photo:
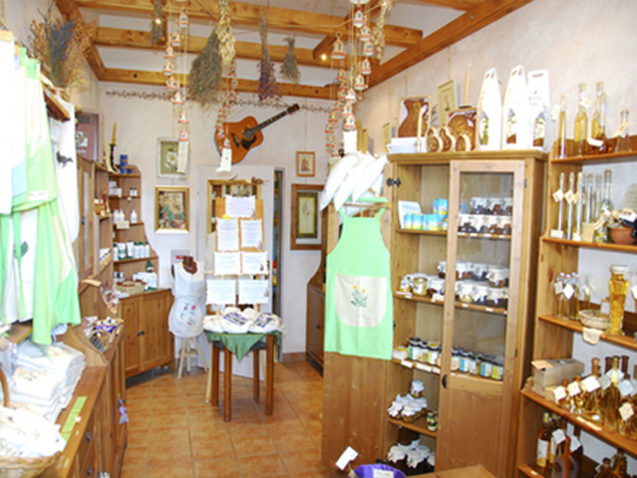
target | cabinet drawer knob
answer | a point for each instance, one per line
(392, 181)
(89, 471)
(141, 332)
(88, 436)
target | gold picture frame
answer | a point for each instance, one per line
(305, 163)
(447, 100)
(172, 209)
(305, 230)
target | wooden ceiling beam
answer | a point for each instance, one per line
(455, 4)
(249, 86)
(454, 31)
(118, 37)
(251, 14)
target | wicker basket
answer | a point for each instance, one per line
(131, 287)
(17, 467)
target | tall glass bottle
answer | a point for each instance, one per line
(611, 398)
(562, 452)
(543, 444)
(581, 123)
(598, 142)
(618, 289)
(591, 399)
(623, 140)
(607, 203)
(561, 132)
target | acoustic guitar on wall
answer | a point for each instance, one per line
(246, 134)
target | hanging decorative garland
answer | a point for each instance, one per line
(289, 68)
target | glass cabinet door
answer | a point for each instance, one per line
(480, 311)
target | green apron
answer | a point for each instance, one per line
(358, 299)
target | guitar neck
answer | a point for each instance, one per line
(250, 131)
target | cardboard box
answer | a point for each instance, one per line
(550, 373)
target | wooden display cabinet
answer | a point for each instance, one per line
(477, 415)
(554, 336)
(85, 242)
(316, 304)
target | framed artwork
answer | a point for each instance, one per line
(167, 154)
(408, 111)
(305, 163)
(172, 209)
(447, 100)
(305, 228)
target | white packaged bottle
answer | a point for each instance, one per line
(516, 115)
(489, 114)
(538, 85)
(133, 216)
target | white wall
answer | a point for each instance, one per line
(141, 121)
(577, 41)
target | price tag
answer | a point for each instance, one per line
(575, 443)
(559, 393)
(122, 225)
(626, 411)
(559, 436)
(595, 142)
(590, 384)
(604, 382)
(585, 103)
(422, 366)
(348, 455)
(570, 197)
(383, 474)
(407, 363)
(558, 195)
(625, 388)
(568, 291)
(573, 388)
(438, 298)
(555, 112)
(559, 287)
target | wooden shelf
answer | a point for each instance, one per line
(139, 259)
(103, 217)
(105, 263)
(597, 158)
(118, 198)
(419, 426)
(101, 167)
(132, 175)
(623, 340)
(19, 331)
(592, 245)
(424, 159)
(459, 305)
(529, 471)
(609, 436)
(413, 364)
(477, 235)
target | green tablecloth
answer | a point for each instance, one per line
(240, 344)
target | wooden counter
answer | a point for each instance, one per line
(477, 471)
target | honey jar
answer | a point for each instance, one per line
(464, 270)
(419, 285)
(497, 297)
(442, 269)
(465, 291)
(498, 276)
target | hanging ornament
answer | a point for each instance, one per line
(183, 20)
(268, 87)
(341, 77)
(359, 83)
(351, 96)
(175, 39)
(338, 49)
(183, 135)
(349, 123)
(342, 92)
(172, 84)
(329, 128)
(178, 98)
(225, 35)
(168, 68)
(333, 118)
(289, 68)
(368, 49)
(365, 34)
(157, 24)
(359, 2)
(170, 53)
(366, 66)
(183, 118)
(358, 20)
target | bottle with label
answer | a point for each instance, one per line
(623, 143)
(591, 396)
(565, 402)
(581, 123)
(577, 396)
(598, 143)
(604, 469)
(562, 450)
(560, 283)
(618, 290)
(561, 132)
(133, 216)
(619, 464)
(543, 444)
(611, 398)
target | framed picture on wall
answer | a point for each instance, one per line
(167, 156)
(305, 163)
(305, 228)
(447, 100)
(172, 209)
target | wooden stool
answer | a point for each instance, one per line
(213, 376)
(188, 352)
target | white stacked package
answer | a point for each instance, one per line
(28, 435)
(236, 321)
(45, 378)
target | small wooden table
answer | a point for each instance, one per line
(475, 471)
(212, 389)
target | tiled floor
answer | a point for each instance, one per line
(173, 433)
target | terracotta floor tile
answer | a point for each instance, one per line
(252, 445)
(138, 404)
(297, 462)
(242, 428)
(261, 465)
(168, 403)
(133, 472)
(293, 441)
(202, 432)
(176, 470)
(170, 452)
(210, 448)
(166, 435)
(135, 456)
(221, 468)
(138, 420)
(168, 418)
(138, 437)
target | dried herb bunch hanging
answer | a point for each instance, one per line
(157, 24)
(225, 35)
(204, 79)
(378, 33)
(289, 68)
(60, 47)
(268, 87)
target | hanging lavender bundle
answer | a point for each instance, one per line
(157, 24)
(204, 79)
(268, 87)
(289, 68)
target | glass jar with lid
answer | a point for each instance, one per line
(504, 225)
(480, 294)
(442, 269)
(618, 290)
(496, 205)
(464, 270)
(436, 288)
(497, 297)
(498, 276)
(416, 388)
(491, 224)
(479, 270)
(465, 291)
(419, 285)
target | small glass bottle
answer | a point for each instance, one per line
(561, 136)
(611, 398)
(619, 464)
(623, 143)
(604, 469)
(543, 445)
(566, 401)
(598, 142)
(618, 290)
(607, 203)
(590, 409)
(578, 399)
(560, 283)
(581, 123)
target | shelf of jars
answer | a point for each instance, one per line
(608, 246)
(477, 235)
(440, 301)
(417, 365)
(136, 259)
(420, 426)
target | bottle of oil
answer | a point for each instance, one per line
(619, 464)
(590, 408)
(611, 399)
(543, 444)
(598, 143)
(618, 289)
(562, 451)
(581, 123)
(604, 470)
(623, 143)
(561, 135)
